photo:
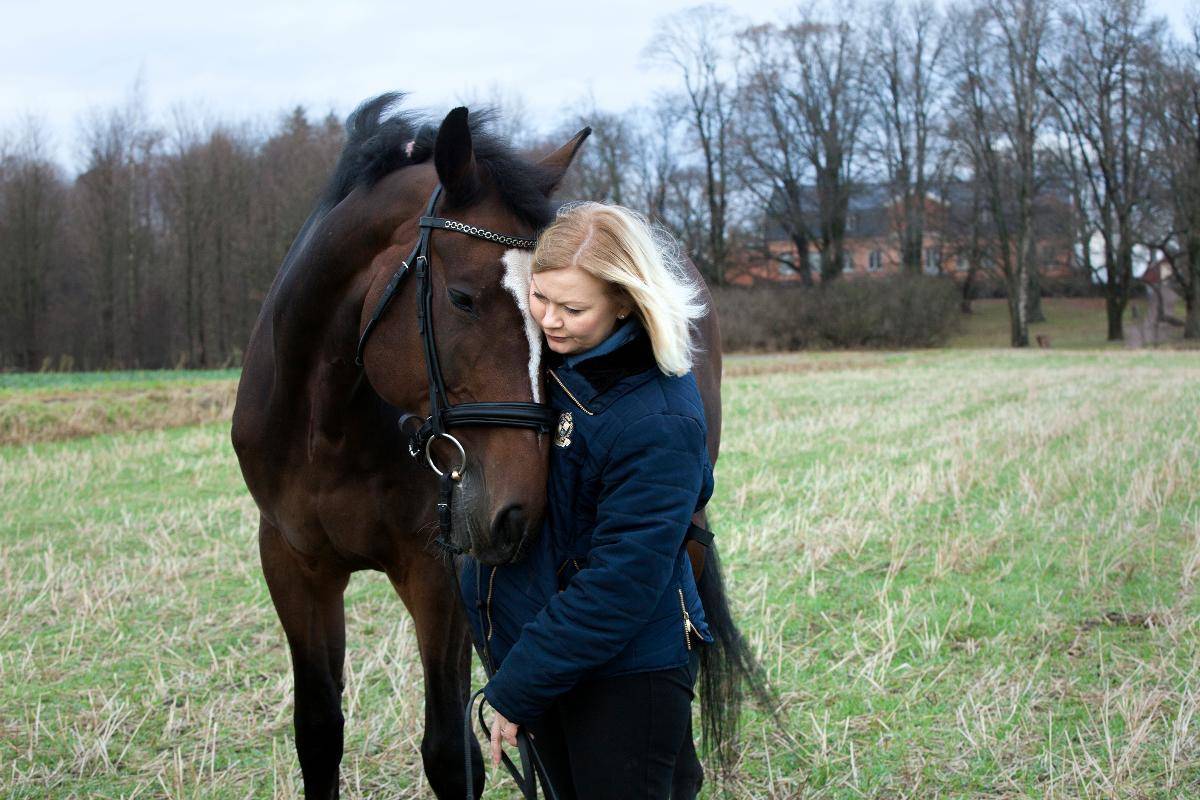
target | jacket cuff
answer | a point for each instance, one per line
(494, 693)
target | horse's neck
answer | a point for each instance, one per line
(315, 306)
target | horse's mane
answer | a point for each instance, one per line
(377, 145)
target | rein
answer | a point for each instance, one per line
(442, 416)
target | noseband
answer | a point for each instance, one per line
(442, 414)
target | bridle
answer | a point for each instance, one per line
(442, 414)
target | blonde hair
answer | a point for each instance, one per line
(638, 261)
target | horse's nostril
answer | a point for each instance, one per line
(509, 526)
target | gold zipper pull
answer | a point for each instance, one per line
(687, 622)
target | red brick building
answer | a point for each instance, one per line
(872, 243)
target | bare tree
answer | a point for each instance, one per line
(830, 98)
(115, 202)
(1100, 84)
(803, 100)
(602, 171)
(32, 210)
(997, 48)
(907, 92)
(1175, 113)
(773, 165)
(695, 42)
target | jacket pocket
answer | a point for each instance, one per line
(688, 627)
(568, 569)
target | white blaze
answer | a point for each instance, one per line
(518, 266)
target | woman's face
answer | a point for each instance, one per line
(575, 310)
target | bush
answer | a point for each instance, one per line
(888, 312)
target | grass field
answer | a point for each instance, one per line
(1072, 323)
(967, 573)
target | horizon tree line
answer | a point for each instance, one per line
(159, 250)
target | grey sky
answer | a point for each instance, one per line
(251, 60)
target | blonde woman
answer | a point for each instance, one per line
(594, 635)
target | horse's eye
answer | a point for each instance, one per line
(462, 300)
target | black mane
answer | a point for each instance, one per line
(376, 144)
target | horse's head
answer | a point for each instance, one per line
(487, 347)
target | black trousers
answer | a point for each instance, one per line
(617, 737)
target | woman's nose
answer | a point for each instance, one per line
(548, 318)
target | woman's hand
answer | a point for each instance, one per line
(502, 729)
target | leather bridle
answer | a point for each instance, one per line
(442, 414)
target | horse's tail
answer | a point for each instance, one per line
(728, 670)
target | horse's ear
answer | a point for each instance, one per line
(454, 157)
(555, 165)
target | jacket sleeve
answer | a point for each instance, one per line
(649, 486)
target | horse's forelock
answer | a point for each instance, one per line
(517, 269)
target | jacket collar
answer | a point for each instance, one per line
(627, 366)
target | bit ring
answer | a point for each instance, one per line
(456, 474)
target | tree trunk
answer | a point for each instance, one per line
(1034, 312)
(1191, 290)
(801, 244)
(1191, 324)
(1018, 307)
(1116, 314)
(912, 239)
(1191, 300)
(967, 287)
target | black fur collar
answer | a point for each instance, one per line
(603, 372)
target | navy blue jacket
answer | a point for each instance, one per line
(607, 588)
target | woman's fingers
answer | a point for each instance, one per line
(502, 730)
(496, 726)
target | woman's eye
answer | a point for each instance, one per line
(573, 311)
(462, 300)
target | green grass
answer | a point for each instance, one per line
(1072, 323)
(967, 573)
(13, 383)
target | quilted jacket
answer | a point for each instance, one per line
(607, 588)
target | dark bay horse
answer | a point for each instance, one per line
(322, 453)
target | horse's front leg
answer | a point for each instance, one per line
(310, 606)
(429, 593)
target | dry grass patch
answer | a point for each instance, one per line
(55, 415)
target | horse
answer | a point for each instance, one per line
(319, 438)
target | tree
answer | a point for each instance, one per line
(828, 94)
(773, 165)
(695, 43)
(1001, 110)
(1100, 84)
(802, 103)
(1175, 116)
(115, 203)
(32, 211)
(602, 170)
(908, 99)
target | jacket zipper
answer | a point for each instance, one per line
(687, 621)
(491, 584)
(582, 407)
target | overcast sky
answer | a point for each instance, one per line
(250, 60)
